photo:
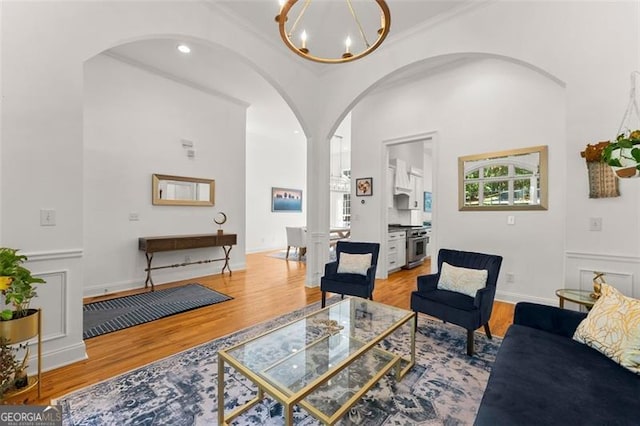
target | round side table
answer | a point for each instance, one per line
(581, 297)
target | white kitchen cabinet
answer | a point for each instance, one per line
(415, 200)
(396, 250)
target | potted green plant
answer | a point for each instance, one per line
(8, 366)
(16, 285)
(623, 155)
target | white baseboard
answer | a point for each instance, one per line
(60, 357)
(508, 297)
(99, 290)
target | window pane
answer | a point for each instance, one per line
(471, 193)
(520, 171)
(522, 191)
(496, 192)
(494, 171)
(473, 175)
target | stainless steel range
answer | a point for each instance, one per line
(417, 240)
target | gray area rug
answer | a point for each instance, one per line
(443, 388)
(116, 314)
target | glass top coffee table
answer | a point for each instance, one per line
(324, 362)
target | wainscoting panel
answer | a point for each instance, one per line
(622, 272)
(60, 299)
(52, 298)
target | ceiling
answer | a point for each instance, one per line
(216, 70)
(333, 20)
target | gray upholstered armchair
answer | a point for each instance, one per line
(454, 307)
(353, 284)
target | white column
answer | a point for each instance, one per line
(318, 207)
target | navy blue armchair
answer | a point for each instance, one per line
(457, 308)
(346, 283)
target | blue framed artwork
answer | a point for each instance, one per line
(286, 200)
(427, 201)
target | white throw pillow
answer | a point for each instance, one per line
(612, 327)
(354, 263)
(462, 280)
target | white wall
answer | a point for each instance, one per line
(590, 46)
(273, 163)
(134, 122)
(487, 105)
(340, 160)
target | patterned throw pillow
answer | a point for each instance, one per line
(462, 280)
(613, 328)
(354, 263)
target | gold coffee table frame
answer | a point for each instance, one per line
(375, 314)
(580, 297)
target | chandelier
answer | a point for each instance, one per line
(333, 31)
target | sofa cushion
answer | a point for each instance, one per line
(543, 378)
(462, 280)
(613, 328)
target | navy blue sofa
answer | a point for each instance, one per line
(543, 377)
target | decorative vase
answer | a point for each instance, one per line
(21, 380)
(597, 285)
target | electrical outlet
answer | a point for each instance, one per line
(187, 259)
(133, 216)
(511, 277)
(595, 224)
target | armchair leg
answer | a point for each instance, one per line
(487, 331)
(415, 321)
(287, 256)
(470, 342)
(324, 298)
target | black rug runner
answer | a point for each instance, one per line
(117, 314)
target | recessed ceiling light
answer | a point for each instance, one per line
(295, 132)
(183, 48)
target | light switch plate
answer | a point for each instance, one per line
(595, 224)
(47, 217)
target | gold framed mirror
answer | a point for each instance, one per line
(506, 180)
(170, 190)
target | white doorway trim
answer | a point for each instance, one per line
(431, 137)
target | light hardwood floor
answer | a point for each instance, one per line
(268, 288)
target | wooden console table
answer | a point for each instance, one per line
(151, 245)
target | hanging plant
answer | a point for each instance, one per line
(623, 155)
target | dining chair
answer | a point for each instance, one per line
(297, 237)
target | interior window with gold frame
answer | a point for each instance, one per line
(506, 180)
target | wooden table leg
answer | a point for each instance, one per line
(561, 302)
(227, 250)
(149, 279)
